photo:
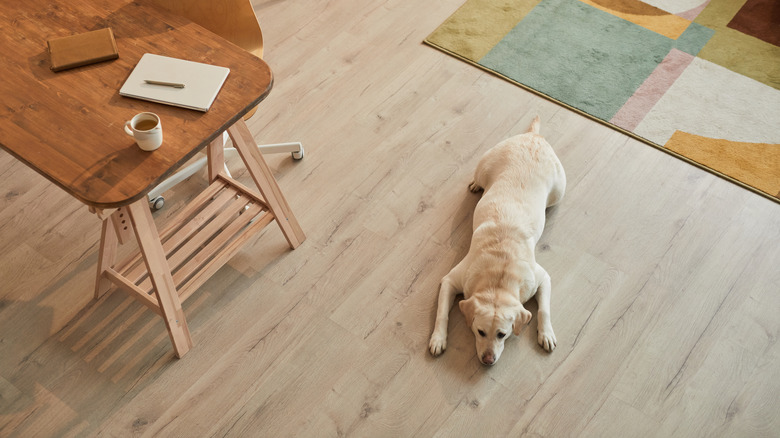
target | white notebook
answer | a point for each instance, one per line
(201, 82)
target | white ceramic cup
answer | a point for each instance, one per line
(146, 129)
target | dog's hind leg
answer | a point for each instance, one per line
(558, 186)
(447, 293)
(545, 336)
(482, 172)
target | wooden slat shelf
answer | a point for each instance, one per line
(202, 238)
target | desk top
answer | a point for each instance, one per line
(68, 126)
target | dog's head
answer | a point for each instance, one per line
(492, 323)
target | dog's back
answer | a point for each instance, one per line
(521, 176)
(526, 164)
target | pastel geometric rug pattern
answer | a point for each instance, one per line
(698, 78)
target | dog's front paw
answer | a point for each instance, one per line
(438, 344)
(546, 338)
(474, 187)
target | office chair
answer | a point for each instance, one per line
(234, 20)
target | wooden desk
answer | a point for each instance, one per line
(68, 127)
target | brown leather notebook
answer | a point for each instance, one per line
(82, 49)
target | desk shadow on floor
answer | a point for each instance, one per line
(113, 349)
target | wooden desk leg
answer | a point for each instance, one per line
(116, 229)
(261, 174)
(160, 274)
(106, 257)
(122, 225)
(216, 158)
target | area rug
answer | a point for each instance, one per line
(699, 79)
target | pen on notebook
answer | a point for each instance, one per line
(167, 84)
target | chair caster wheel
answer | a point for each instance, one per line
(157, 203)
(298, 155)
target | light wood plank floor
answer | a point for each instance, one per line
(665, 278)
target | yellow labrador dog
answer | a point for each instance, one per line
(520, 177)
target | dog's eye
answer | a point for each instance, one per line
(481, 333)
(501, 335)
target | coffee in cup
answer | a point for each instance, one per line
(146, 129)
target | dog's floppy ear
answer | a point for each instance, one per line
(467, 307)
(522, 317)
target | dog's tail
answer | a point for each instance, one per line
(535, 125)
